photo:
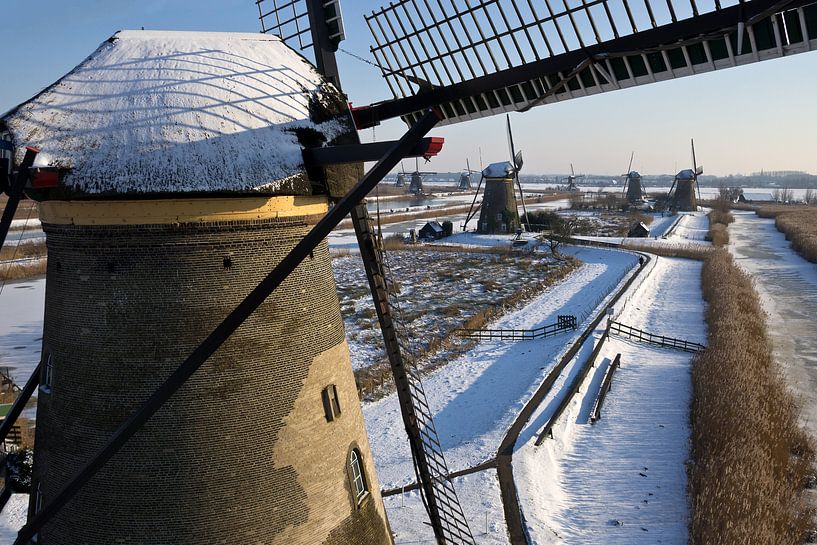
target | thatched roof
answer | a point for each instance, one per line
(157, 112)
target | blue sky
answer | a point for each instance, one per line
(745, 119)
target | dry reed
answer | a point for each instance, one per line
(750, 459)
(688, 251)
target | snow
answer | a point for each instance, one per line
(692, 227)
(480, 498)
(501, 170)
(476, 397)
(622, 480)
(21, 327)
(153, 111)
(13, 518)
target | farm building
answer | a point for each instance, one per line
(639, 230)
(751, 197)
(432, 231)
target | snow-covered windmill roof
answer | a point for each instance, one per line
(687, 174)
(155, 112)
(499, 170)
(633, 174)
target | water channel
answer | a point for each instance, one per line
(787, 285)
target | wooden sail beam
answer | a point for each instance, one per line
(701, 43)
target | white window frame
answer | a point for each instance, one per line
(47, 374)
(356, 473)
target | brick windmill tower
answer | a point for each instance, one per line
(633, 189)
(165, 198)
(682, 194)
(498, 212)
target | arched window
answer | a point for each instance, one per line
(356, 475)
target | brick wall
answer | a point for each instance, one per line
(242, 453)
(498, 213)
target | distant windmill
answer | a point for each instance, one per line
(416, 185)
(682, 194)
(633, 188)
(401, 177)
(571, 180)
(498, 211)
(465, 177)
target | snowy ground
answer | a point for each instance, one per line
(13, 518)
(21, 327)
(693, 226)
(438, 292)
(621, 480)
(476, 397)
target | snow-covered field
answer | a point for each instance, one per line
(21, 327)
(584, 486)
(438, 292)
(621, 480)
(476, 397)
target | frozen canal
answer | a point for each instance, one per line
(787, 285)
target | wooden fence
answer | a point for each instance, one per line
(563, 323)
(639, 335)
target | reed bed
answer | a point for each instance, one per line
(23, 250)
(24, 270)
(688, 251)
(719, 221)
(750, 458)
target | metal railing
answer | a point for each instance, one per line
(617, 328)
(564, 323)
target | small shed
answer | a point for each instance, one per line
(639, 230)
(756, 197)
(432, 231)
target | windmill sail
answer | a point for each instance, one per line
(487, 57)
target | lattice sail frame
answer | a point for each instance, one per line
(476, 58)
(289, 20)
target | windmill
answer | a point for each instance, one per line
(460, 83)
(416, 184)
(682, 193)
(465, 177)
(304, 220)
(571, 180)
(401, 177)
(633, 190)
(498, 210)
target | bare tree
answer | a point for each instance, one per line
(809, 197)
(561, 229)
(786, 195)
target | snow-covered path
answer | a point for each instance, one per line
(691, 227)
(478, 396)
(622, 480)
